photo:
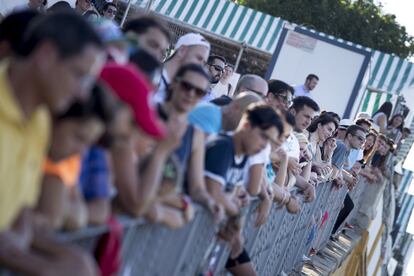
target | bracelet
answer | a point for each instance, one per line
(186, 201)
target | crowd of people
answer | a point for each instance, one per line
(98, 120)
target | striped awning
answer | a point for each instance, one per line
(261, 31)
(388, 73)
(225, 18)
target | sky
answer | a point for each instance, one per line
(403, 10)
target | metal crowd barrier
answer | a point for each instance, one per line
(279, 245)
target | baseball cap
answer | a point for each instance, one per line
(132, 88)
(363, 115)
(108, 31)
(345, 123)
(206, 116)
(192, 39)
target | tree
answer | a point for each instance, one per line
(358, 21)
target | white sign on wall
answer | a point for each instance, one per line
(339, 66)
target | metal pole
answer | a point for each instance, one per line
(239, 56)
(126, 13)
(148, 6)
(360, 102)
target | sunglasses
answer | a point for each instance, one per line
(360, 138)
(111, 11)
(217, 68)
(190, 87)
(266, 137)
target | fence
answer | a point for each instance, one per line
(277, 246)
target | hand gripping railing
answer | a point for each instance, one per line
(279, 245)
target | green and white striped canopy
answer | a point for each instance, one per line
(389, 73)
(238, 23)
(261, 31)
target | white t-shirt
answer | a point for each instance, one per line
(291, 146)
(161, 93)
(220, 90)
(262, 157)
(300, 90)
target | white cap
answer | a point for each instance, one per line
(345, 123)
(191, 39)
(363, 115)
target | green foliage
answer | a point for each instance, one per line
(359, 21)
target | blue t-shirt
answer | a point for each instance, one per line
(207, 117)
(352, 158)
(94, 177)
(340, 155)
(270, 173)
(222, 165)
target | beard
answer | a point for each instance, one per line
(215, 80)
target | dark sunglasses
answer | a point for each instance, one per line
(217, 68)
(360, 138)
(190, 87)
(266, 137)
(111, 11)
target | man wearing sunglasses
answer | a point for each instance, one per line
(82, 6)
(187, 88)
(279, 95)
(358, 154)
(216, 66)
(109, 11)
(354, 139)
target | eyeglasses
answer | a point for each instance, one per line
(111, 11)
(286, 100)
(217, 67)
(190, 87)
(266, 137)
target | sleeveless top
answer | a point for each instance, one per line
(183, 152)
